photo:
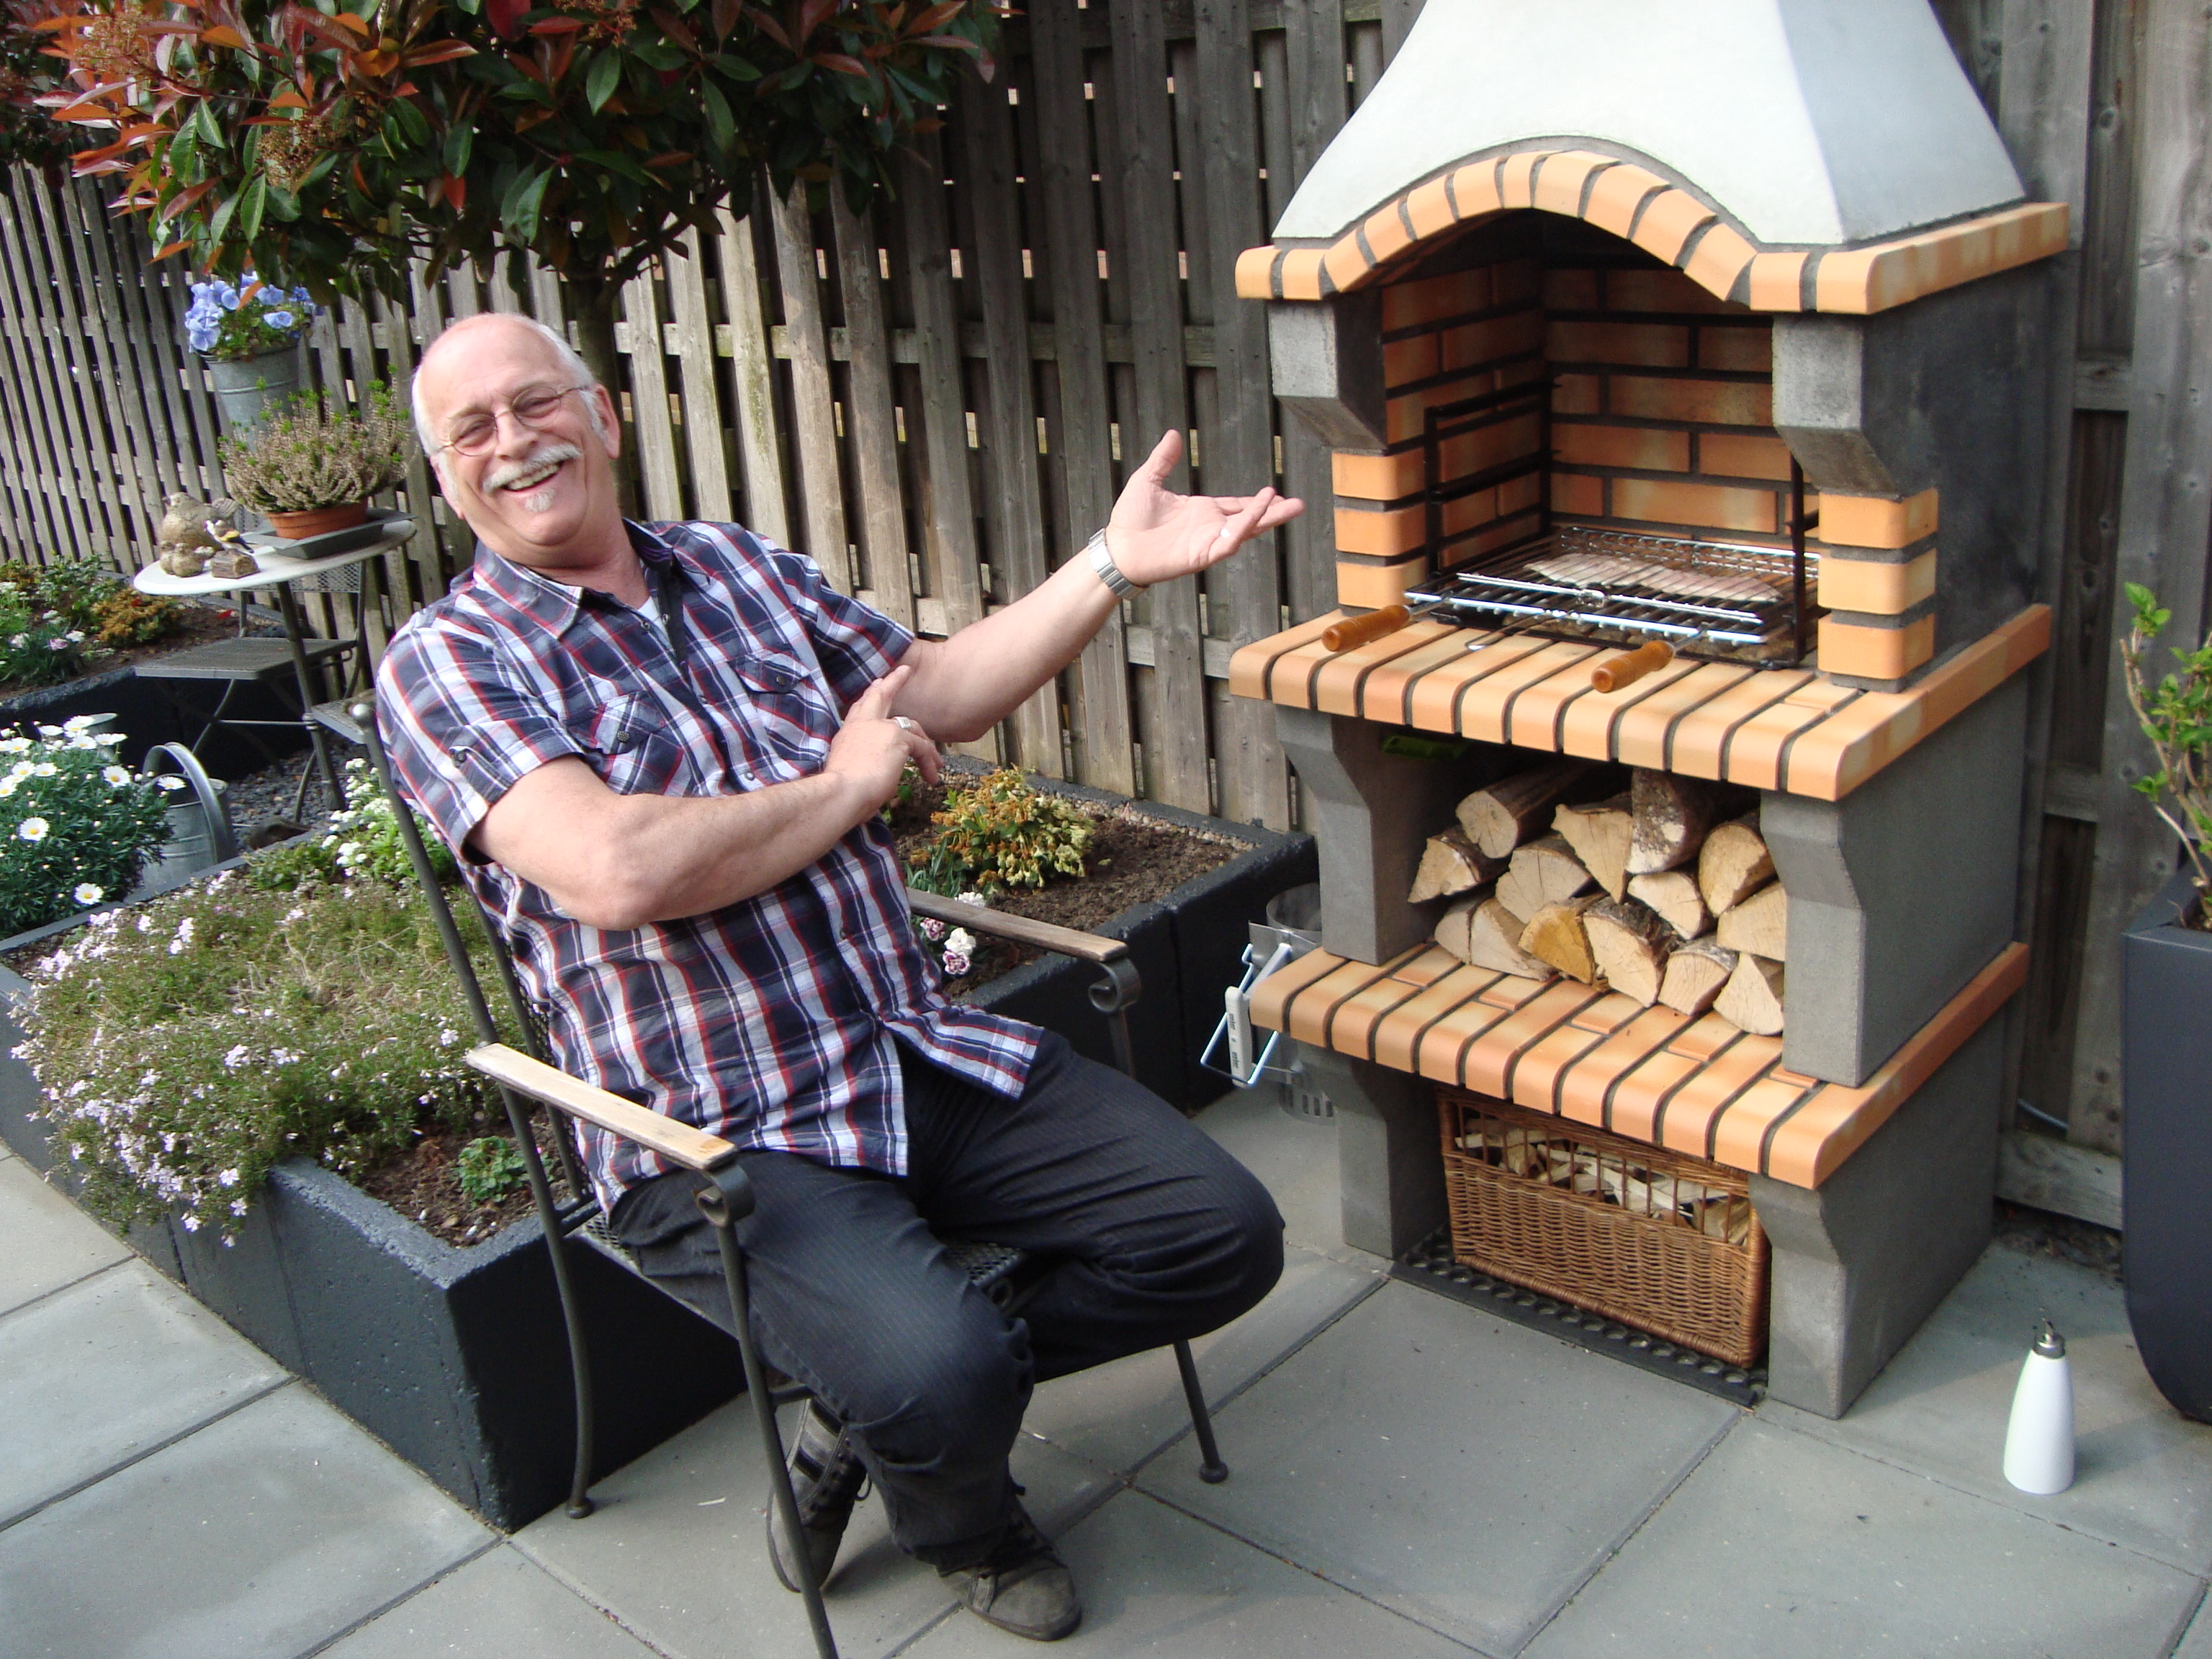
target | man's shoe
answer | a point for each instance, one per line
(1022, 1586)
(826, 1478)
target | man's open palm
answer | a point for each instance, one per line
(1156, 535)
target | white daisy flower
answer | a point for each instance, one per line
(32, 828)
(89, 892)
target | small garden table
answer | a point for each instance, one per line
(241, 661)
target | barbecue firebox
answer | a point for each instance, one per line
(1720, 326)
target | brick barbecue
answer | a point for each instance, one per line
(1720, 327)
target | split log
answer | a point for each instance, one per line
(1483, 933)
(1451, 864)
(1499, 817)
(1630, 945)
(1673, 894)
(1733, 865)
(1556, 934)
(1753, 997)
(1599, 833)
(1673, 814)
(1543, 873)
(1695, 974)
(1759, 925)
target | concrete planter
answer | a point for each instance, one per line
(146, 716)
(2166, 1000)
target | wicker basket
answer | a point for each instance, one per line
(1654, 1239)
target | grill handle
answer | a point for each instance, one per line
(1630, 666)
(1358, 630)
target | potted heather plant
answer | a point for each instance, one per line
(249, 333)
(310, 467)
(2165, 999)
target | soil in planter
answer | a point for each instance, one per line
(1133, 859)
(420, 1183)
(201, 624)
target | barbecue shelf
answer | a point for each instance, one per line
(1694, 1086)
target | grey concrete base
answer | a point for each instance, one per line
(1901, 893)
(1862, 1259)
(1390, 1165)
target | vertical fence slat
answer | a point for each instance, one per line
(1080, 354)
(40, 519)
(426, 579)
(23, 295)
(167, 292)
(1253, 779)
(139, 379)
(821, 495)
(869, 423)
(78, 432)
(704, 436)
(1014, 504)
(1175, 734)
(112, 488)
(752, 378)
(131, 444)
(648, 383)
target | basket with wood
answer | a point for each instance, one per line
(1658, 1240)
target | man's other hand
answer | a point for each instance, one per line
(1156, 535)
(871, 749)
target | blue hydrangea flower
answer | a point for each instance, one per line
(278, 319)
(227, 297)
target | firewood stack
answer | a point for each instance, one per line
(1664, 892)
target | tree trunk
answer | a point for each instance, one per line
(594, 331)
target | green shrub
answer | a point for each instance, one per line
(185, 1046)
(1000, 832)
(2176, 716)
(75, 827)
(489, 1169)
(126, 617)
(363, 841)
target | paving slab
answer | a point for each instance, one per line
(1119, 1415)
(500, 1606)
(2198, 1643)
(679, 1552)
(1154, 1581)
(1295, 1157)
(1782, 1543)
(50, 1243)
(257, 1537)
(1464, 1472)
(106, 1370)
(2142, 1472)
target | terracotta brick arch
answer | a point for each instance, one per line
(1665, 221)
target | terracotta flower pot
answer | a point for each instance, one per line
(298, 527)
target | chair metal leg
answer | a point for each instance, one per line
(713, 1203)
(1211, 1468)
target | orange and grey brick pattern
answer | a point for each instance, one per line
(1671, 223)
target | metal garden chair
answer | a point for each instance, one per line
(724, 1196)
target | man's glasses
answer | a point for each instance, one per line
(535, 406)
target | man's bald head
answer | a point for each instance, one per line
(571, 363)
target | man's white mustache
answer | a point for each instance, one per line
(538, 461)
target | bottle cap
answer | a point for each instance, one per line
(2048, 1342)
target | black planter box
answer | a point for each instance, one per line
(146, 715)
(2165, 1024)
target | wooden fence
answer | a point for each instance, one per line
(939, 403)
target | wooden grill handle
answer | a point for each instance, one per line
(1358, 630)
(1631, 665)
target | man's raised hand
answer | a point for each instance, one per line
(1156, 535)
(872, 747)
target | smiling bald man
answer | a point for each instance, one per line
(659, 753)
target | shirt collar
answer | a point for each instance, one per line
(553, 604)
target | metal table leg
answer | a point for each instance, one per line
(288, 607)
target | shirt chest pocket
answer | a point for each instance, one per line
(631, 743)
(789, 716)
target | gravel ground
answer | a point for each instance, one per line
(261, 803)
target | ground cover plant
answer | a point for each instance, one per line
(2176, 715)
(56, 619)
(75, 827)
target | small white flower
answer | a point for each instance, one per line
(75, 637)
(228, 1178)
(955, 964)
(145, 925)
(960, 942)
(17, 641)
(447, 1037)
(59, 642)
(192, 1223)
(170, 782)
(931, 929)
(294, 914)
(8, 787)
(89, 892)
(117, 775)
(15, 746)
(45, 769)
(236, 1058)
(975, 898)
(32, 828)
(78, 722)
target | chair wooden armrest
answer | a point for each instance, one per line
(1043, 935)
(679, 1143)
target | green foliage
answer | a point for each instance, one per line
(75, 828)
(329, 143)
(362, 844)
(489, 1169)
(27, 134)
(2176, 715)
(126, 617)
(1000, 832)
(185, 1047)
(315, 452)
(38, 648)
(64, 611)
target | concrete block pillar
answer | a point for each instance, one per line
(1389, 1163)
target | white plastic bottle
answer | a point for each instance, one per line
(2039, 1452)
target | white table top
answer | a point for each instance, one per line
(275, 567)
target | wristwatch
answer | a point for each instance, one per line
(1109, 572)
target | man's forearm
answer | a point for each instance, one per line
(963, 686)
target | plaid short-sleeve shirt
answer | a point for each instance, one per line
(773, 1022)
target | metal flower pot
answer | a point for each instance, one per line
(2165, 1001)
(247, 388)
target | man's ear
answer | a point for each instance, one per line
(608, 426)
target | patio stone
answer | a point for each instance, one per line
(262, 1535)
(679, 1552)
(1467, 1473)
(1782, 1543)
(103, 1371)
(2142, 1472)
(1155, 1581)
(1119, 1415)
(500, 1606)
(50, 1243)
(1295, 1157)
(2198, 1643)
